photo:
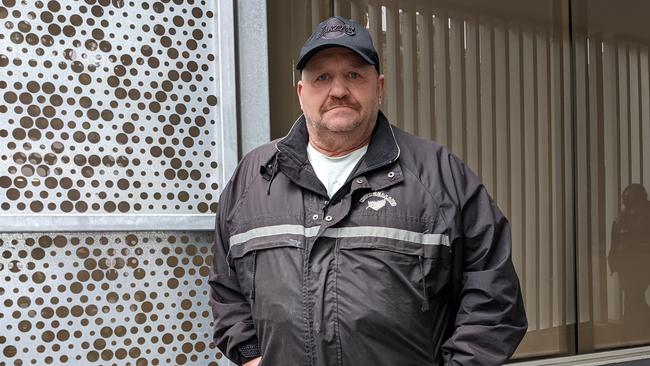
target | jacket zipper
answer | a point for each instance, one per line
(425, 301)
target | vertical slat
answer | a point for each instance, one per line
(591, 136)
(355, 12)
(486, 130)
(456, 70)
(440, 57)
(374, 20)
(610, 148)
(425, 76)
(569, 272)
(516, 162)
(543, 183)
(530, 181)
(582, 210)
(557, 159)
(472, 92)
(502, 188)
(342, 8)
(391, 70)
(645, 116)
(316, 15)
(623, 114)
(635, 128)
(408, 103)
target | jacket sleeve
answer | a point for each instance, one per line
(490, 320)
(234, 331)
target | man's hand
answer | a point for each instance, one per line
(253, 362)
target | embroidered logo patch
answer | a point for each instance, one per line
(335, 28)
(377, 200)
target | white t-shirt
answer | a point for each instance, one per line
(334, 171)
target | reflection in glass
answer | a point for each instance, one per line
(629, 256)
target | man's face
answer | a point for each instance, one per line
(339, 91)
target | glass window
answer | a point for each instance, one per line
(613, 173)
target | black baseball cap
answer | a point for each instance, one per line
(338, 31)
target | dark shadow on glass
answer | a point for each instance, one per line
(630, 258)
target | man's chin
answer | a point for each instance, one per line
(341, 124)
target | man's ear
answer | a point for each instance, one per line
(299, 92)
(380, 87)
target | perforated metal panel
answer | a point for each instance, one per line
(109, 107)
(106, 299)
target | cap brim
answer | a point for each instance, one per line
(331, 43)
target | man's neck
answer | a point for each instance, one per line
(338, 146)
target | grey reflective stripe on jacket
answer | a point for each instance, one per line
(408, 264)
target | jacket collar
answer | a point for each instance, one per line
(382, 150)
(291, 155)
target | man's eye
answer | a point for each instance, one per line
(322, 77)
(354, 75)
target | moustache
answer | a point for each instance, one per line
(338, 103)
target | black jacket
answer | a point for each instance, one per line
(407, 264)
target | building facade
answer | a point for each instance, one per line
(120, 122)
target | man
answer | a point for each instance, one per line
(350, 242)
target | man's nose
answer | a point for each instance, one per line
(339, 88)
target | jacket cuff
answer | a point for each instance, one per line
(248, 352)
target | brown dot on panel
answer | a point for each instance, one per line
(84, 78)
(36, 206)
(13, 194)
(92, 356)
(65, 183)
(105, 46)
(9, 351)
(38, 277)
(19, 134)
(94, 160)
(47, 40)
(60, 241)
(123, 206)
(57, 147)
(122, 161)
(5, 182)
(25, 98)
(25, 326)
(131, 240)
(66, 206)
(87, 171)
(56, 123)
(54, 29)
(93, 137)
(20, 182)
(10, 97)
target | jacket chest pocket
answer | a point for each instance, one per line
(397, 275)
(263, 259)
